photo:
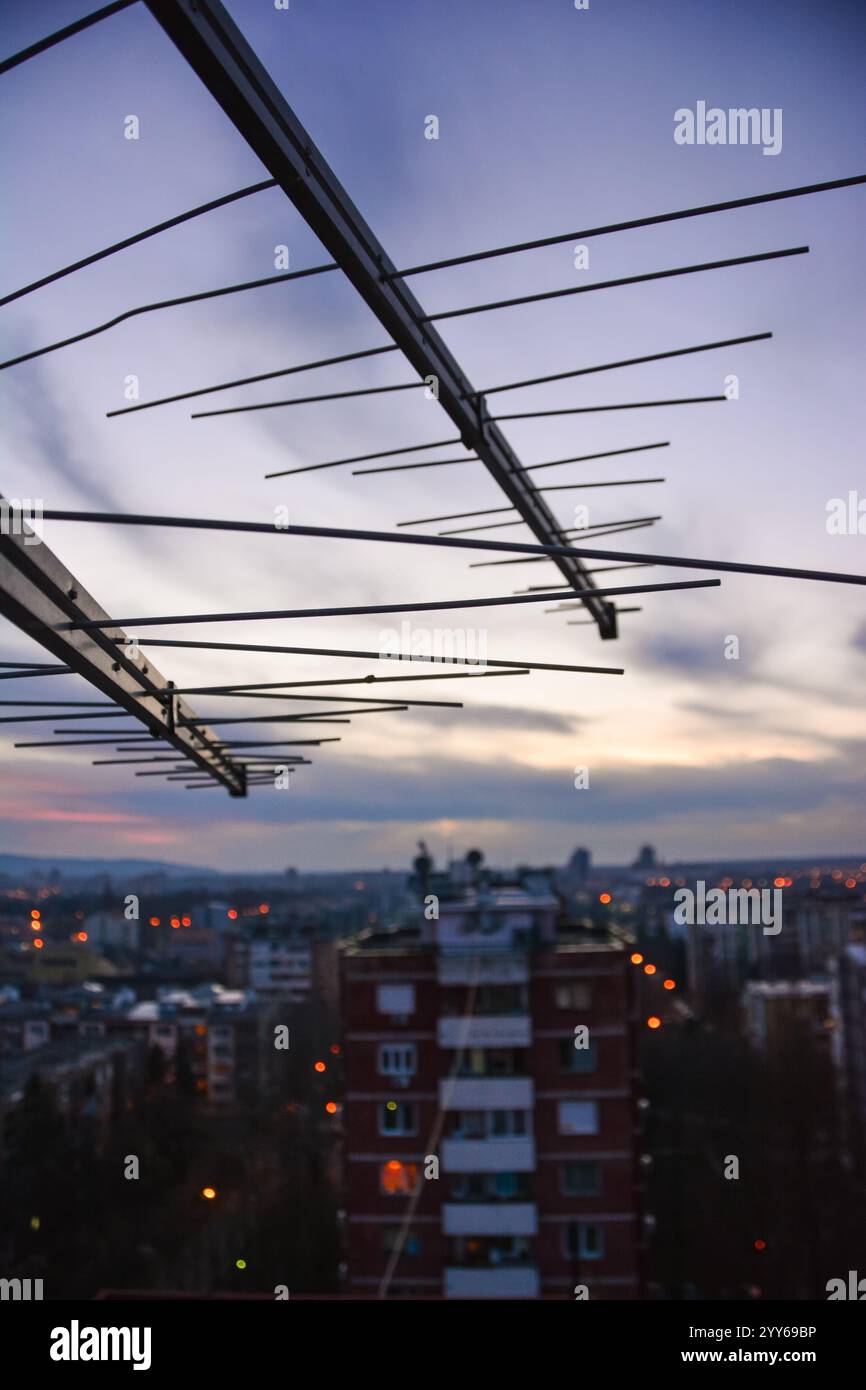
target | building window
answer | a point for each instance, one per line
(487, 1252)
(487, 1124)
(394, 1238)
(490, 1187)
(500, 999)
(573, 996)
(504, 1185)
(397, 1117)
(398, 1060)
(583, 1240)
(578, 1117)
(395, 999)
(469, 1124)
(581, 1178)
(577, 1059)
(469, 1187)
(397, 1178)
(508, 1122)
(492, 1061)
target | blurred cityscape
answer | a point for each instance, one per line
(454, 1081)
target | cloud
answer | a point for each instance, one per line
(687, 655)
(506, 717)
(710, 711)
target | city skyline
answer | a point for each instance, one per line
(690, 751)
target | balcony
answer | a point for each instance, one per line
(514, 1155)
(518, 1281)
(489, 1219)
(487, 1093)
(501, 969)
(506, 1030)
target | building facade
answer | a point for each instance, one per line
(490, 1122)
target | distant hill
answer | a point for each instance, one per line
(37, 866)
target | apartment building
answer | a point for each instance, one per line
(489, 1119)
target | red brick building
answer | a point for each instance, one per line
(491, 1046)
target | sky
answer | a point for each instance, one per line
(549, 119)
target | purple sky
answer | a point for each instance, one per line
(550, 119)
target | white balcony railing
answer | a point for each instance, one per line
(493, 1030)
(514, 1155)
(487, 1093)
(489, 1219)
(518, 1281)
(497, 969)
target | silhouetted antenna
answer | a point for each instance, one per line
(264, 615)
(459, 542)
(551, 463)
(307, 400)
(311, 718)
(557, 487)
(402, 658)
(363, 458)
(138, 237)
(635, 222)
(261, 687)
(539, 588)
(625, 362)
(165, 304)
(579, 531)
(249, 380)
(42, 45)
(614, 284)
(543, 559)
(29, 666)
(36, 671)
(403, 467)
(597, 409)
